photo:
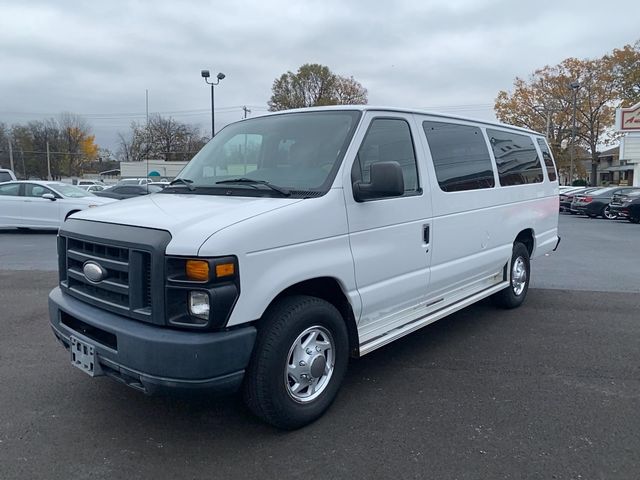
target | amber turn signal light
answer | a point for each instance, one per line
(225, 270)
(197, 270)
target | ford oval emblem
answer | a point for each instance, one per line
(94, 272)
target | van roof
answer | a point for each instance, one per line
(377, 108)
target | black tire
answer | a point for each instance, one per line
(634, 219)
(265, 389)
(508, 298)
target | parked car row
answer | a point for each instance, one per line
(36, 204)
(606, 202)
(43, 204)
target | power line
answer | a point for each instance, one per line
(117, 115)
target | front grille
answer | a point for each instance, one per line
(134, 260)
(126, 288)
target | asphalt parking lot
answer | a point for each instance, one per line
(550, 390)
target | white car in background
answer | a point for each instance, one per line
(82, 183)
(6, 175)
(92, 188)
(134, 181)
(36, 204)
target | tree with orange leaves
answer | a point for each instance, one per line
(544, 101)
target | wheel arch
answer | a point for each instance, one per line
(528, 238)
(330, 290)
(71, 212)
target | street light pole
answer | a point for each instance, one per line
(205, 74)
(573, 86)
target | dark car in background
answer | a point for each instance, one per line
(567, 197)
(596, 203)
(627, 205)
(128, 191)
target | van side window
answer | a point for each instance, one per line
(516, 158)
(387, 140)
(548, 160)
(460, 156)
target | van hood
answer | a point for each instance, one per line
(191, 219)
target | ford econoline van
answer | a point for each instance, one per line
(294, 241)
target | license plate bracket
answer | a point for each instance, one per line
(84, 357)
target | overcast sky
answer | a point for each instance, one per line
(96, 58)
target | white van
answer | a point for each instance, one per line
(296, 240)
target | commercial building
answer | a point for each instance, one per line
(628, 123)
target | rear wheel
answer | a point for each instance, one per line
(608, 214)
(516, 292)
(634, 219)
(299, 362)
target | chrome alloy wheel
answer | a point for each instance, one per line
(310, 364)
(608, 214)
(518, 275)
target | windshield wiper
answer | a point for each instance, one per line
(184, 181)
(250, 181)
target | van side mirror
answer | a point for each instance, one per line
(49, 196)
(386, 180)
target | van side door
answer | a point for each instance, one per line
(389, 237)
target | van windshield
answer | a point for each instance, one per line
(293, 154)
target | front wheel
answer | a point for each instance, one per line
(299, 362)
(516, 292)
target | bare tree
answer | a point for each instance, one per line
(160, 139)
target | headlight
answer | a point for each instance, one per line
(199, 304)
(200, 293)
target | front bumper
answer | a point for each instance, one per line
(152, 358)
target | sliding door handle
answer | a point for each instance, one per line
(425, 233)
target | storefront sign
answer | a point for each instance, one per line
(628, 119)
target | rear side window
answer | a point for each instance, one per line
(516, 158)
(548, 160)
(5, 177)
(460, 156)
(388, 140)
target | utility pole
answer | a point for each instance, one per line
(11, 155)
(246, 111)
(48, 163)
(24, 170)
(573, 86)
(146, 99)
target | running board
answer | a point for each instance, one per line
(420, 322)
